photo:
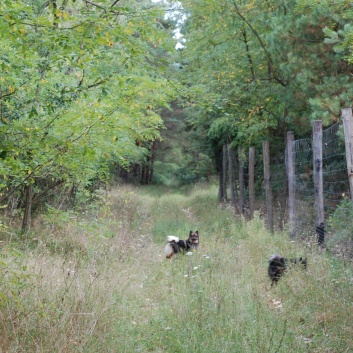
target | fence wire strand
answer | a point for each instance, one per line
(335, 181)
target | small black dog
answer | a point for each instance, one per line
(175, 245)
(279, 264)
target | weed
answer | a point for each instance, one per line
(98, 281)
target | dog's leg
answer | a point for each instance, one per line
(169, 257)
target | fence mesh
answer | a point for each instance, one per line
(335, 181)
(335, 184)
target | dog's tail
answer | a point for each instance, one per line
(171, 238)
(276, 258)
(169, 249)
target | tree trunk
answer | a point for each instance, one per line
(252, 180)
(241, 180)
(232, 182)
(144, 175)
(27, 217)
(224, 167)
(221, 184)
(153, 158)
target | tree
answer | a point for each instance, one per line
(80, 84)
(265, 68)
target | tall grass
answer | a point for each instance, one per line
(99, 282)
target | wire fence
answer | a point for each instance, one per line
(335, 182)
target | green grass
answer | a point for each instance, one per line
(99, 282)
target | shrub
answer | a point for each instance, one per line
(341, 225)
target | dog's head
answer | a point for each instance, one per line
(194, 237)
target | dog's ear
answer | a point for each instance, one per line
(190, 233)
(197, 232)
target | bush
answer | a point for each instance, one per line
(341, 225)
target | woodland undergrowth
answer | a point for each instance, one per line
(97, 281)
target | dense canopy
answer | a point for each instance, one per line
(86, 86)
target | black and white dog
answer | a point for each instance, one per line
(175, 245)
(279, 264)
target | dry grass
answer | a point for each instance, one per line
(99, 282)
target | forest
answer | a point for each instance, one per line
(88, 89)
(124, 121)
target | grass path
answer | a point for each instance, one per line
(105, 285)
(219, 299)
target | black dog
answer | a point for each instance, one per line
(279, 264)
(175, 245)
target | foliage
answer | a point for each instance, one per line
(15, 280)
(181, 157)
(266, 68)
(80, 85)
(341, 226)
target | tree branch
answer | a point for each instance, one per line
(36, 197)
(251, 64)
(114, 3)
(262, 44)
(96, 5)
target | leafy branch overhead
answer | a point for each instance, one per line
(84, 83)
(81, 82)
(263, 68)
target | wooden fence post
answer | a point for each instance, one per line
(241, 179)
(318, 181)
(348, 139)
(224, 166)
(291, 182)
(268, 188)
(252, 180)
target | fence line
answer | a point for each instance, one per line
(295, 209)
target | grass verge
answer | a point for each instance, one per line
(98, 282)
